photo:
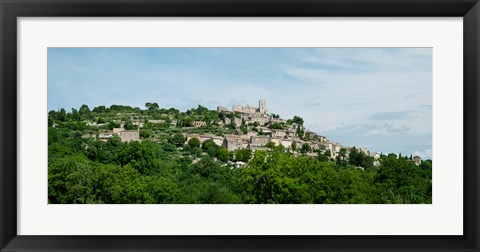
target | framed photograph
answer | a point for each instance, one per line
(223, 125)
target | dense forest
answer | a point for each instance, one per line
(164, 169)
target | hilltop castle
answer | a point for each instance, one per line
(262, 108)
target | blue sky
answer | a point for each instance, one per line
(379, 98)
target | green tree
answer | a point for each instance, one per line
(270, 145)
(243, 155)
(276, 126)
(323, 157)
(194, 142)
(223, 154)
(305, 148)
(178, 139)
(146, 133)
(152, 107)
(341, 159)
(358, 158)
(294, 146)
(100, 109)
(298, 120)
(84, 110)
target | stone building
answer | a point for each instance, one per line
(104, 136)
(221, 109)
(227, 120)
(218, 140)
(287, 143)
(129, 135)
(198, 124)
(233, 143)
(418, 160)
(117, 130)
(375, 155)
(243, 109)
(156, 121)
(261, 119)
(364, 150)
(190, 136)
(204, 138)
(278, 133)
(258, 141)
(276, 140)
(262, 106)
(137, 123)
(237, 121)
(251, 133)
(336, 149)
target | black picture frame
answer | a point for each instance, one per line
(11, 9)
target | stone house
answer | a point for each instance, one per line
(265, 130)
(418, 160)
(278, 133)
(129, 135)
(190, 136)
(104, 136)
(276, 140)
(261, 119)
(258, 141)
(364, 150)
(314, 145)
(198, 124)
(204, 138)
(227, 120)
(251, 133)
(233, 143)
(221, 109)
(335, 149)
(287, 143)
(156, 121)
(237, 121)
(117, 130)
(375, 155)
(245, 144)
(291, 133)
(137, 123)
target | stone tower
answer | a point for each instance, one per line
(262, 106)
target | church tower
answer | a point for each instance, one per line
(262, 106)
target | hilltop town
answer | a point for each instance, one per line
(247, 155)
(242, 127)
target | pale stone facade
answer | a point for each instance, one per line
(233, 143)
(244, 109)
(217, 140)
(117, 130)
(227, 120)
(104, 136)
(129, 135)
(287, 143)
(375, 155)
(221, 109)
(417, 159)
(276, 140)
(262, 106)
(190, 136)
(258, 141)
(237, 121)
(278, 133)
(156, 121)
(198, 124)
